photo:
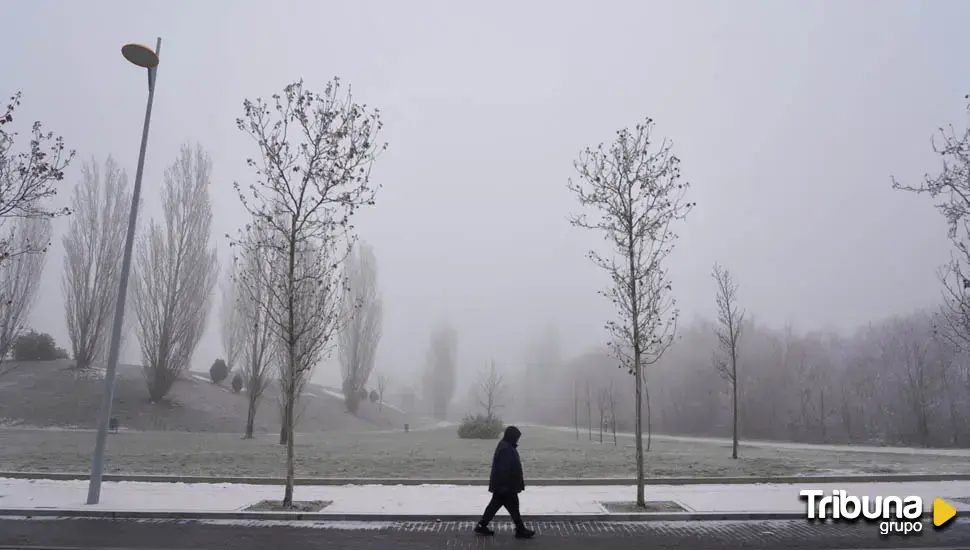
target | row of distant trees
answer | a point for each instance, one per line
(630, 192)
(174, 264)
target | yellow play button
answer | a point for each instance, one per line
(942, 512)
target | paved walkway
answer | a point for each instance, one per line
(213, 535)
(445, 500)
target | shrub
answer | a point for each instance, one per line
(480, 426)
(37, 346)
(219, 371)
(237, 383)
(373, 396)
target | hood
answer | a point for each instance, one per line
(512, 435)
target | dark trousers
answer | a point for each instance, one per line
(511, 503)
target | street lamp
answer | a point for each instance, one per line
(141, 56)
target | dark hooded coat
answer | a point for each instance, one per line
(506, 474)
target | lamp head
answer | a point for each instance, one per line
(143, 56)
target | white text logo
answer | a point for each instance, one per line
(894, 514)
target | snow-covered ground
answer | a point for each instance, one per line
(434, 500)
(778, 444)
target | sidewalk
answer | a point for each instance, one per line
(447, 502)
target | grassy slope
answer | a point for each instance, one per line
(46, 394)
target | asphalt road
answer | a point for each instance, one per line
(78, 534)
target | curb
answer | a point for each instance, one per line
(748, 480)
(397, 518)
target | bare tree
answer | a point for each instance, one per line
(313, 174)
(491, 391)
(19, 279)
(730, 320)
(176, 272)
(634, 195)
(576, 409)
(589, 413)
(382, 381)
(952, 185)
(231, 327)
(441, 371)
(612, 399)
(252, 275)
(363, 308)
(93, 246)
(28, 179)
(602, 403)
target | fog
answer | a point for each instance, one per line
(789, 119)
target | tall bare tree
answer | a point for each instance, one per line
(589, 412)
(612, 399)
(602, 405)
(576, 408)
(93, 246)
(952, 185)
(19, 279)
(176, 272)
(231, 320)
(312, 175)
(253, 275)
(492, 390)
(28, 179)
(440, 374)
(361, 334)
(382, 382)
(632, 194)
(730, 320)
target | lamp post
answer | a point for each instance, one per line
(141, 56)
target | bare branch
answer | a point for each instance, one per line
(28, 179)
(491, 390)
(951, 187)
(730, 320)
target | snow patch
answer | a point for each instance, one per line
(323, 524)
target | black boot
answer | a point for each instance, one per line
(483, 529)
(524, 533)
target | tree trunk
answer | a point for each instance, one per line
(288, 430)
(734, 446)
(646, 394)
(250, 418)
(641, 501)
(601, 427)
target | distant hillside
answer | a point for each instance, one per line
(49, 394)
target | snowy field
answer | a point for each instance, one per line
(438, 453)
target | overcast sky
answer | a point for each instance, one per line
(789, 118)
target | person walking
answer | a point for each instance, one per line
(505, 483)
